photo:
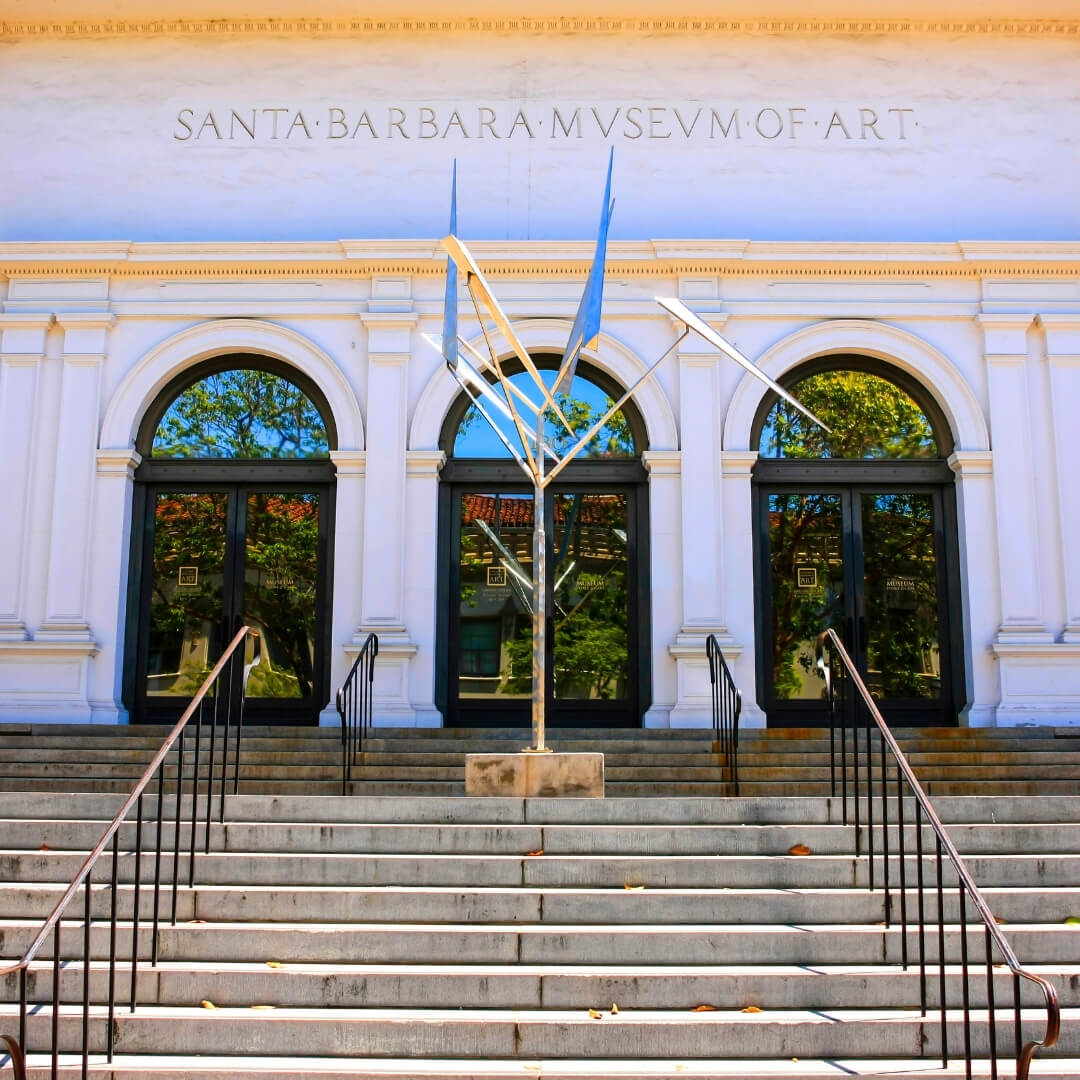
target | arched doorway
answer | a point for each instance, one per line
(233, 521)
(857, 531)
(598, 573)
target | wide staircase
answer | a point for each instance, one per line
(1032, 761)
(422, 937)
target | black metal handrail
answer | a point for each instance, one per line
(726, 707)
(354, 701)
(228, 680)
(858, 712)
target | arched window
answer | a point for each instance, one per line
(872, 417)
(241, 413)
(468, 435)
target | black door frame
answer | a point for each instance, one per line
(230, 477)
(850, 479)
(609, 477)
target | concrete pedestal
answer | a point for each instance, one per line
(529, 776)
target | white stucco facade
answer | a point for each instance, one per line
(173, 195)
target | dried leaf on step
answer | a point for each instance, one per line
(539, 851)
(274, 963)
(704, 1008)
(1073, 920)
(264, 1006)
(632, 888)
(614, 1009)
(750, 1009)
(196, 920)
(680, 1068)
(44, 847)
(999, 921)
(594, 1014)
(799, 849)
(207, 1004)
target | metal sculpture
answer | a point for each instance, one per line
(485, 381)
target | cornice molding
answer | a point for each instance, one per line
(528, 259)
(582, 24)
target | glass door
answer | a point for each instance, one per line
(870, 564)
(214, 560)
(592, 638)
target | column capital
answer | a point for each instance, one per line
(1005, 334)
(349, 463)
(26, 320)
(22, 335)
(662, 462)
(969, 464)
(121, 462)
(389, 333)
(738, 463)
(424, 462)
(85, 320)
(1062, 336)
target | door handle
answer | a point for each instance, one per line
(864, 637)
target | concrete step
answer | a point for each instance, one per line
(528, 986)
(580, 871)
(523, 1034)
(553, 839)
(745, 810)
(546, 943)
(583, 906)
(166, 1067)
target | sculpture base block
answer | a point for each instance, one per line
(535, 776)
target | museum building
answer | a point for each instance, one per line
(220, 278)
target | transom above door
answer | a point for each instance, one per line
(856, 531)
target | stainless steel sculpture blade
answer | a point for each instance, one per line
(691, 321)
(475, 280)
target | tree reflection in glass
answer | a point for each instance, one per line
(241, 413)
(187, 590)
(870, 417)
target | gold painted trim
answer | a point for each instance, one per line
(530, 25)
(362, 268)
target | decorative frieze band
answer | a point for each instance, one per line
(533, 25)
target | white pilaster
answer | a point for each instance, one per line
(702, 512)
(665, 468)
(981, 613)
(1063, 356)
(382, 578)
(107, 588)
(350, 467)
(1023, 617)
(421, 577)
(736, 467)
(85, 337)
(22, 349)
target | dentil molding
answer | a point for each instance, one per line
(561, 24)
